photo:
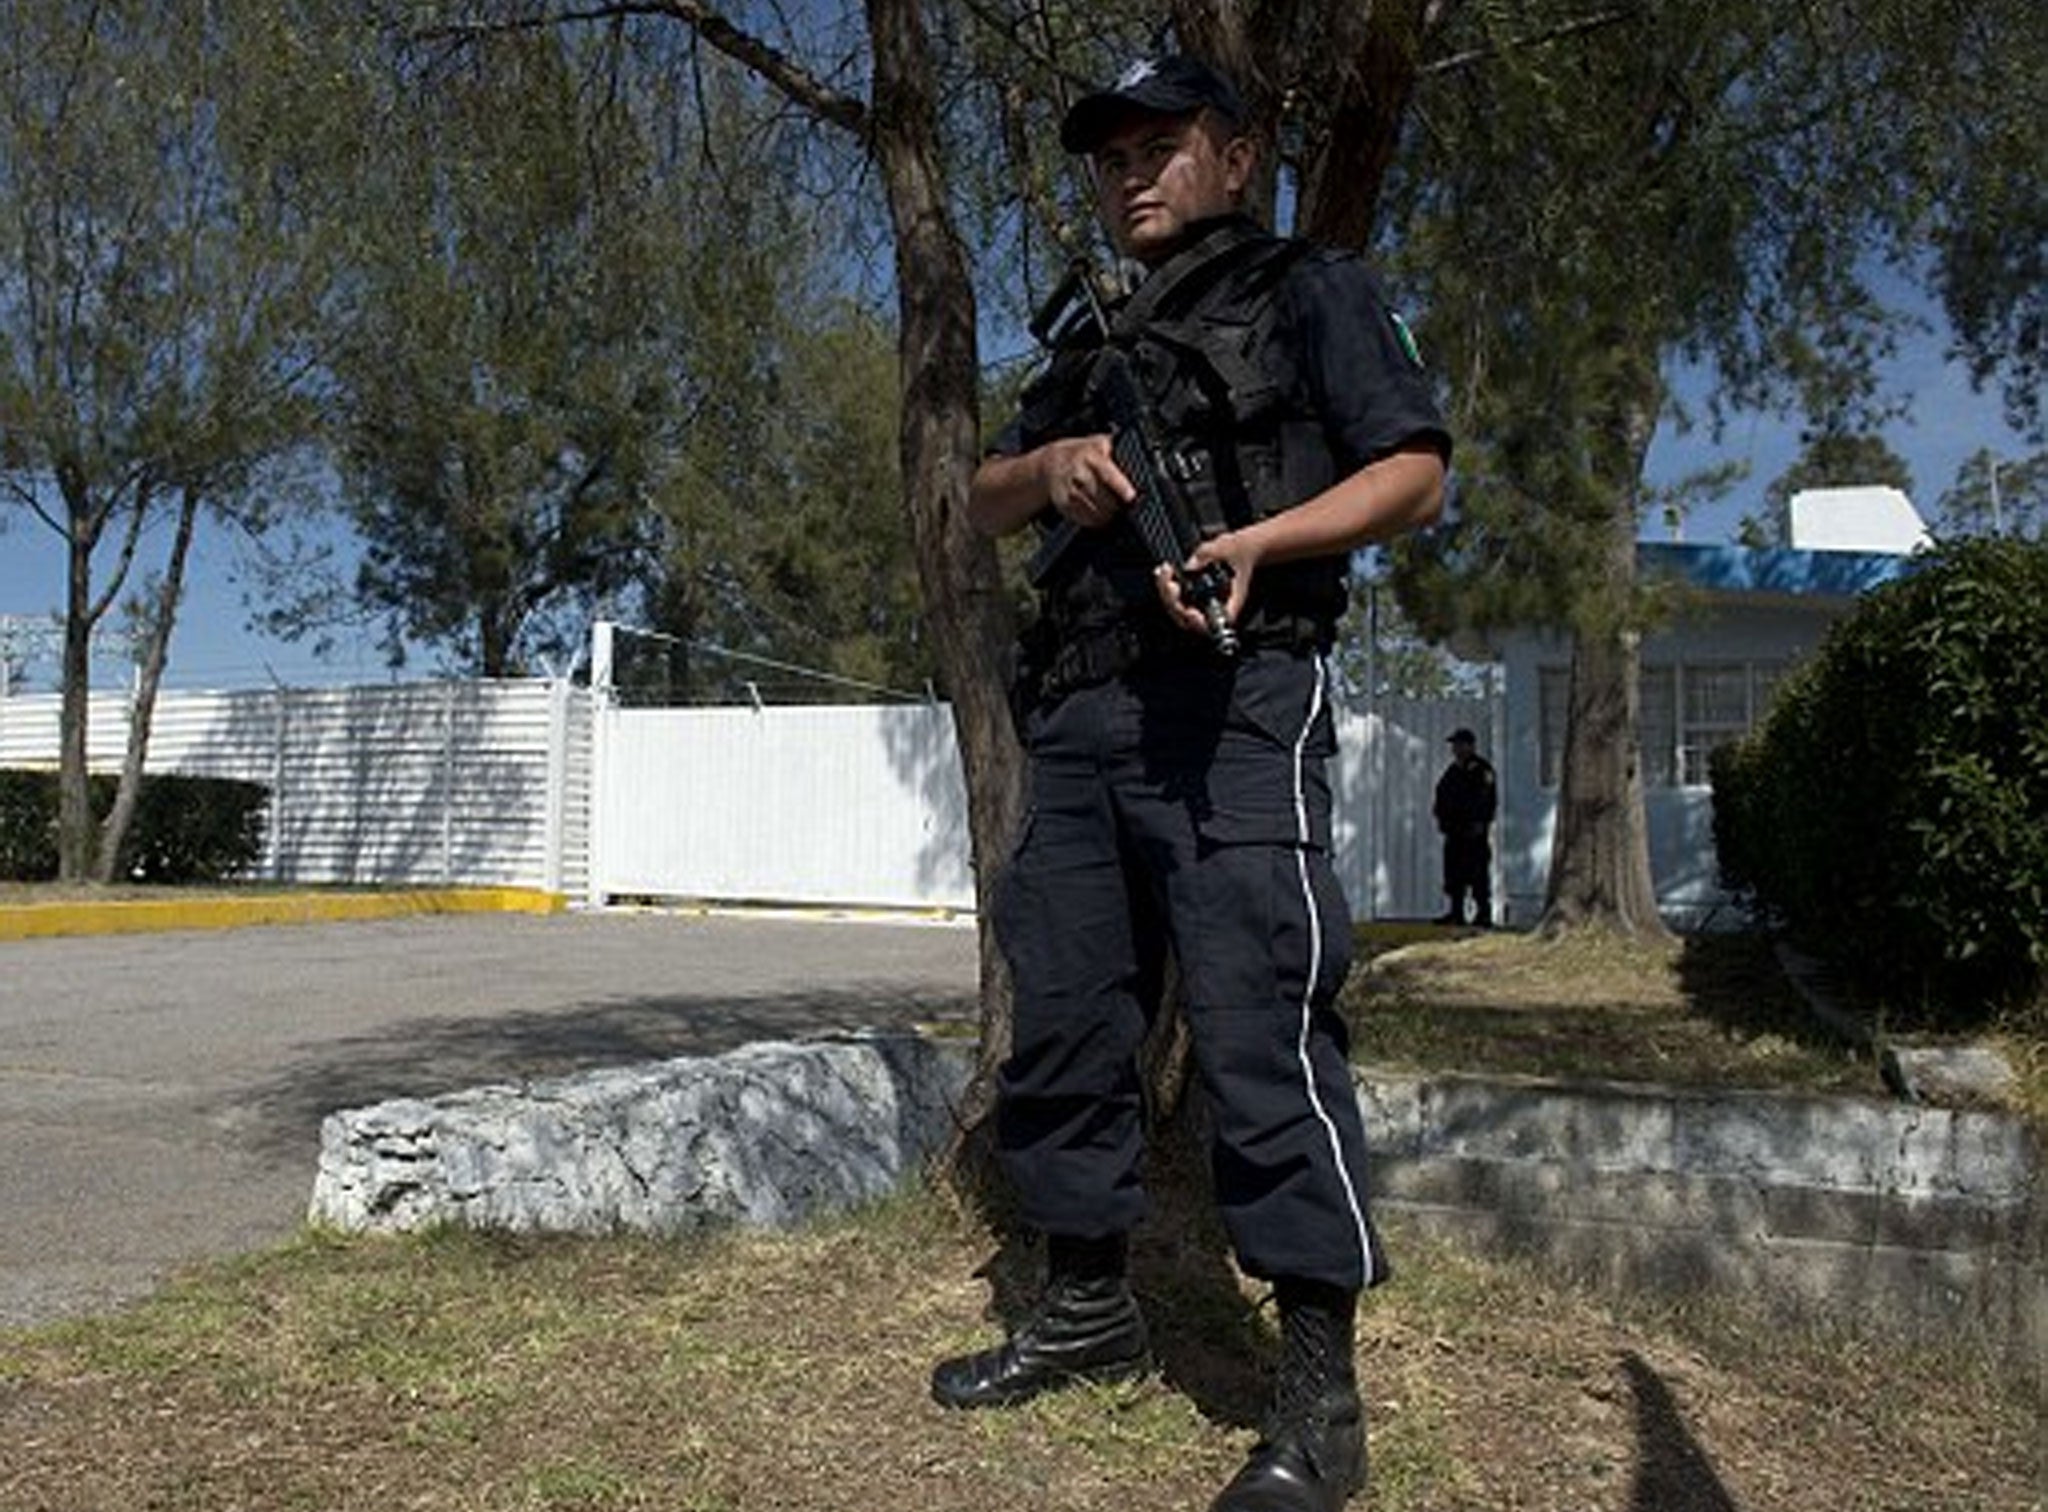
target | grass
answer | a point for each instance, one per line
(462, 1372)
(474, 1373)
(1711, 1010)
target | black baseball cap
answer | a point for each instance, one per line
(1173, 85)
(1463, 737)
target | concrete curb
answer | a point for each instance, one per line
(27, 921)
(1927, 1222)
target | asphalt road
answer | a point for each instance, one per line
(161, 1095)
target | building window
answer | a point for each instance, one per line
(1687, 711)
(1657, 726)
(1716, 713)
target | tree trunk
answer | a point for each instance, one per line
(966, 602)
(1334, 78)
(1368, 94)
(495, 627)
(1600, 859)
(86, 519)
(74, 783)
(114, 829)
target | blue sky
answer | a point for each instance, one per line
(1945, 424)
(216, 647)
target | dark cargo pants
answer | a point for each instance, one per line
(1186, 804)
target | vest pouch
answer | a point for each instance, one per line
(1196, 408)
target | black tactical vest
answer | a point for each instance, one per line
(1205, 342)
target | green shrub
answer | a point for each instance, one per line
(194, 829)
(1892, 811)
(28, 826)
(185, 829)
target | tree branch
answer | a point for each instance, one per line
(97, 609)
(777, 68)
(1542, 39)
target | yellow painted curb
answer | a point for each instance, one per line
(28, 921)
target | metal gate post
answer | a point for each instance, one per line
(601, 697)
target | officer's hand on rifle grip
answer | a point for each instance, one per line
(1083, 482)
(1235, 553)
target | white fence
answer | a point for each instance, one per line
(537, 784)
(866, 805)
(484, 783)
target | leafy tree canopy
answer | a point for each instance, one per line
(171, 239)
(1992, 496)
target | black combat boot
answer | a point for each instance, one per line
(1311, 1452)
(1087, 1328)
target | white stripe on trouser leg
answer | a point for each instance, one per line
(1367, 1261)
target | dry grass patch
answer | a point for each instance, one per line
(1708, 1010)
(461, 1371)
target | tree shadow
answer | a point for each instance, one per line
(281, 1117)
(1673, 1473)
(1735, 980)
(1214, 1345)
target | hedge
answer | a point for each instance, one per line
(1892, 810)
(185, 829)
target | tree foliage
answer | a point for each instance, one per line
(822, 575)
(601, 364)
(1715, 180)
(1978, 142)
(165, 249)
(510, 389)
(1992, 496)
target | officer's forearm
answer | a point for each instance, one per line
(1402, 491)
(1007, 491)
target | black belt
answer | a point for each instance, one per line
(1102, 652)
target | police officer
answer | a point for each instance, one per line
(1178, 799)
(1464, 806)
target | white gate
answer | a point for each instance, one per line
(865, 805)
(859, 805)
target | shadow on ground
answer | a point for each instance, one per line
(1673, 1473)
(1209, 1340)
(1736, 981)
(432, 1057)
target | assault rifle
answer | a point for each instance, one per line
(1160, 512)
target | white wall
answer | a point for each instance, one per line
(835, 804)
(867, 805)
